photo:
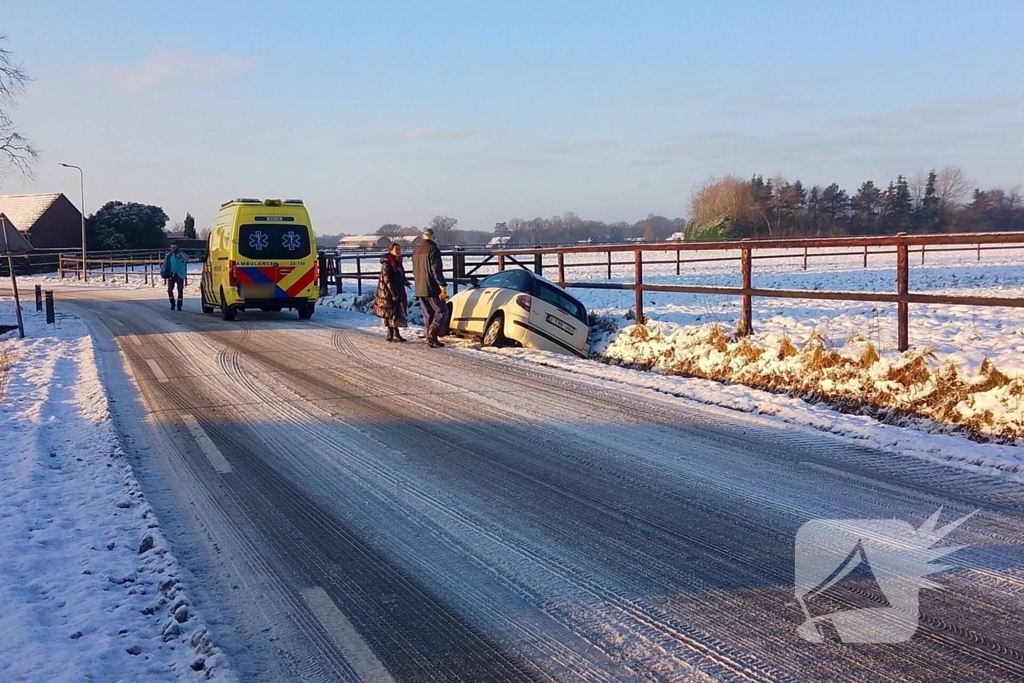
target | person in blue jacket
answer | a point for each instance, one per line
(175, 273)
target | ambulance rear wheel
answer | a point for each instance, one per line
(306, 312)
(226, 312)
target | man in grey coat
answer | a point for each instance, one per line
(431, 287)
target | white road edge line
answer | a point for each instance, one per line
(160, 376)
(356, 651)
(216, 458)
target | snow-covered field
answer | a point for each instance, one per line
(89, 590)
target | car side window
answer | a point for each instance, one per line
(495, 280)
(517, 280)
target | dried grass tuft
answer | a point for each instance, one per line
(7, 359)
(910, 370)
(869, 356)
(786, 349)
(718, 337)
(993, 378)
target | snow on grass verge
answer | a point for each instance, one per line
(898, 389)
(89, 588)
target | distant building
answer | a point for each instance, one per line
(501, 241)
(362, 242)
(49, 221)
(636, 240)
(676, 237)
(408, 241)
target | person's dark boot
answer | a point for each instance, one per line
(179, 304)
(398, 336)
(391, 334)
(172, 304)
(432, 340)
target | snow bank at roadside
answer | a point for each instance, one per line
(88, 587)
(896, 388)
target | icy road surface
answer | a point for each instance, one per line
(353, 510)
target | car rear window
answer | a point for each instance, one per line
(562, 300)
(273, 242)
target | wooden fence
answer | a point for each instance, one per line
(115, 268)
(465, 265)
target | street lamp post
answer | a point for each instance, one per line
(81, 176)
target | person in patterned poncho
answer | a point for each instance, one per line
(391, 303)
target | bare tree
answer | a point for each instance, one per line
(389, 230)
(517, 227)
(722, 197)
(917, 184)
(16, 153)
(442, 225)
(953, 187)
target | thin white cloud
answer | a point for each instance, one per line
(167, 67)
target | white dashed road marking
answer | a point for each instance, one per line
(160, 376)
(356, 651)
(213, 454)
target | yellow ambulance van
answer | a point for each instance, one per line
(260, 255)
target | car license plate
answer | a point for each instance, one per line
(561, 324)
(258, 291)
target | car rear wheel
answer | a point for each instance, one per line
(202, 300)
(494, 333)
(226, 312)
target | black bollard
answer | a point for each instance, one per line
(50, 317)
(39, 298)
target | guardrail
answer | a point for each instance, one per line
(464, 264)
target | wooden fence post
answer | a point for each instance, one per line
(979, 251)
(746, 325)
(865, 256)
(638, 277)
(359, 277)
(922, 254)
(60, 266)
(902, 286)
(805, 258)
(501, 262)
(103, 271)
(321, 264)
(609, 264)
(126, 271)
(679, 253)
(538, 263)
(561, 268)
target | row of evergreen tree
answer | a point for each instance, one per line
(729, 207)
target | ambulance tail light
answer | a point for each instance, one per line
(232, 275)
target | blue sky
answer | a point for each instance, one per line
(378, 112)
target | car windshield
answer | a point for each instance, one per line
(495, 280)
(274, 242)
(558, 298)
